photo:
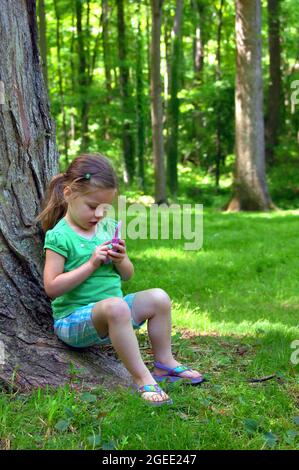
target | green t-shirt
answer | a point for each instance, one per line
(103, 283)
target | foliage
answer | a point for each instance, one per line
(206, 100)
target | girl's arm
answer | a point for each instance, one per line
(57, 282)
(125, 268)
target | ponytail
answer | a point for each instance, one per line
(54, 206)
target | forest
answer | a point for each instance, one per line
(195, 103)
(100, 61)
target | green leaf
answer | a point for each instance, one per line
(62, 425)
(251, 425)
(69, 412)
(290, 436)
(205, 402)
(95, 440)
(296, 420)
(271, 439)
(108, 446)
(88, 397)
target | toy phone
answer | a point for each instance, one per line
(115, 240)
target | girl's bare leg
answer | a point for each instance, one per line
(112, 316)
(155, 306)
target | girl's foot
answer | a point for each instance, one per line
(162, 370)
(150, 390)
(154, 395)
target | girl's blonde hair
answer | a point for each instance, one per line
(86, 173)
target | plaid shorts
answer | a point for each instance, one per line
(77, 329)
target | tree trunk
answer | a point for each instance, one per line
(156, 104)
(174, 105)
(82, 78)
(167, 26)
(60, 81)
(198, 8)
(148, 42)
(43, 38)
(140, 114)
(250, 188)
(200, 19)
(219, 156)
(107, 64)
(31, 355)
(275, 96)
(128, 141)
(73, 127)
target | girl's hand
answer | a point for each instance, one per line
(118, 256)
(99, 255)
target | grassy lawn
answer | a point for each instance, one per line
(235, 307)
(235, 315)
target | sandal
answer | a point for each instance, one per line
(154, 388)
(173, 375)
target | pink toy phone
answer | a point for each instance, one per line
(114, 241)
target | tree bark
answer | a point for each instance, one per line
(275, 94)
(219, 156)
(140, 113)
(128, 141)
(43, 38)
(198, 8)
(106, 12)
(174, 105)
(82, 78)
(73, 127)
(250, 187)
(31, 355)
(201, 20)
(156, 104)
(60, 82)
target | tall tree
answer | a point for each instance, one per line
(156, 104)
(32, 355)
(275, 93)
(60, 81)
(173, 109)
(86, 65)
(201, 19)
(219, 156)
(128, 140)
(140, 112)
(198, 9)
(106, 10)
(73, 128)
(82, 77)
(250, 187)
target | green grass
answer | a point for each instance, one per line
(235, 315)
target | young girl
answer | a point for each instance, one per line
(83, 274)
